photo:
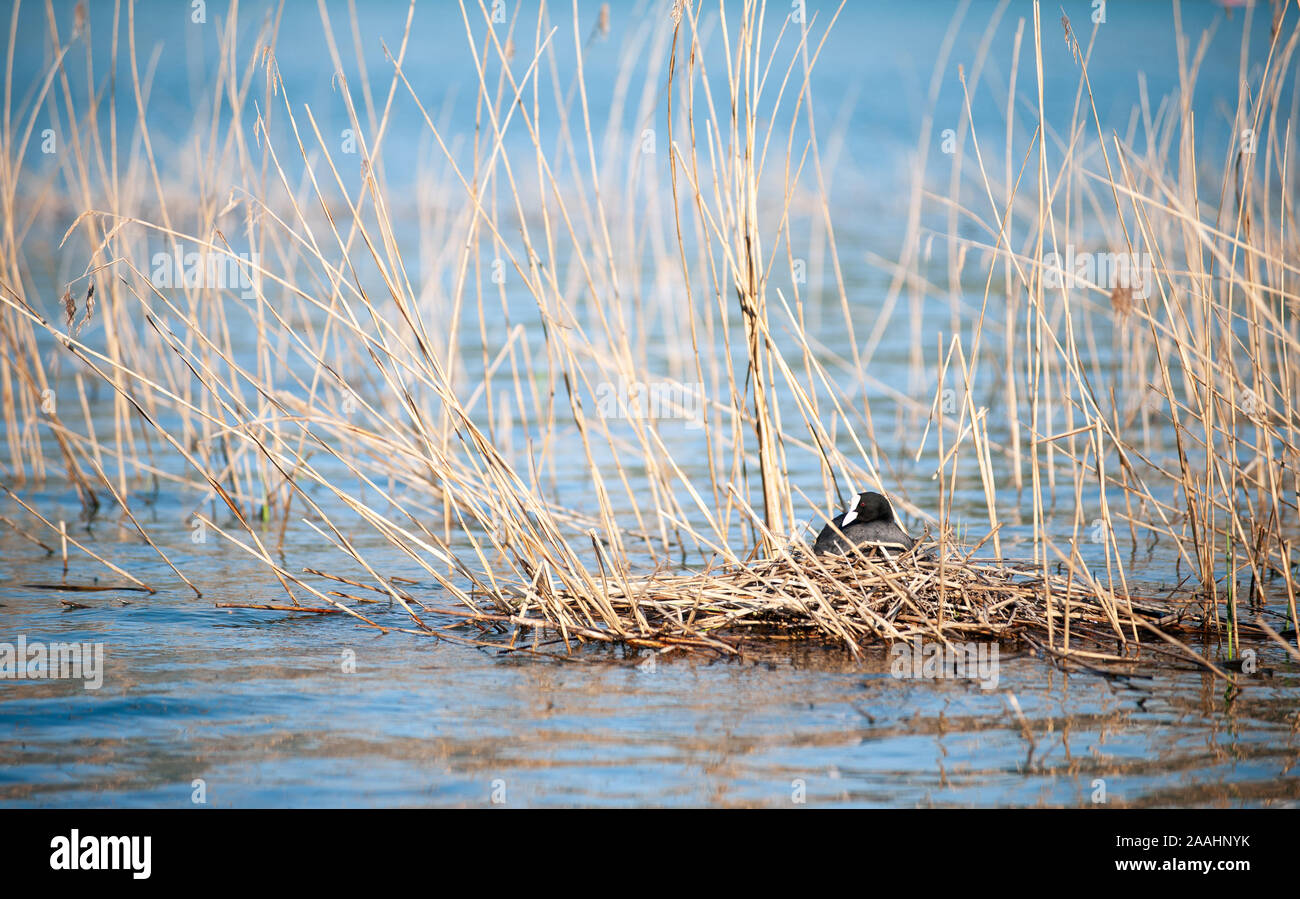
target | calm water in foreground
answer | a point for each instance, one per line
(259, 708)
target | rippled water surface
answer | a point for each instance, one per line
(258, 707)
(261, 708)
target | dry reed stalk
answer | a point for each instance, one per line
(339, 391)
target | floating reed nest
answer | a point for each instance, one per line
(861, 600)
(856, 601)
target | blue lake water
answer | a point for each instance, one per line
(259, 708)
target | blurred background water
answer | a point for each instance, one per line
(260, 707)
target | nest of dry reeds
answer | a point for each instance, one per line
(857, 601)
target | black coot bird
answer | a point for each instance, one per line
(870, 521)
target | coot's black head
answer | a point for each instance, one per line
(870, 507)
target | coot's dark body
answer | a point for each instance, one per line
(870, 522)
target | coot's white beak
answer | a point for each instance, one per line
(849, 517)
